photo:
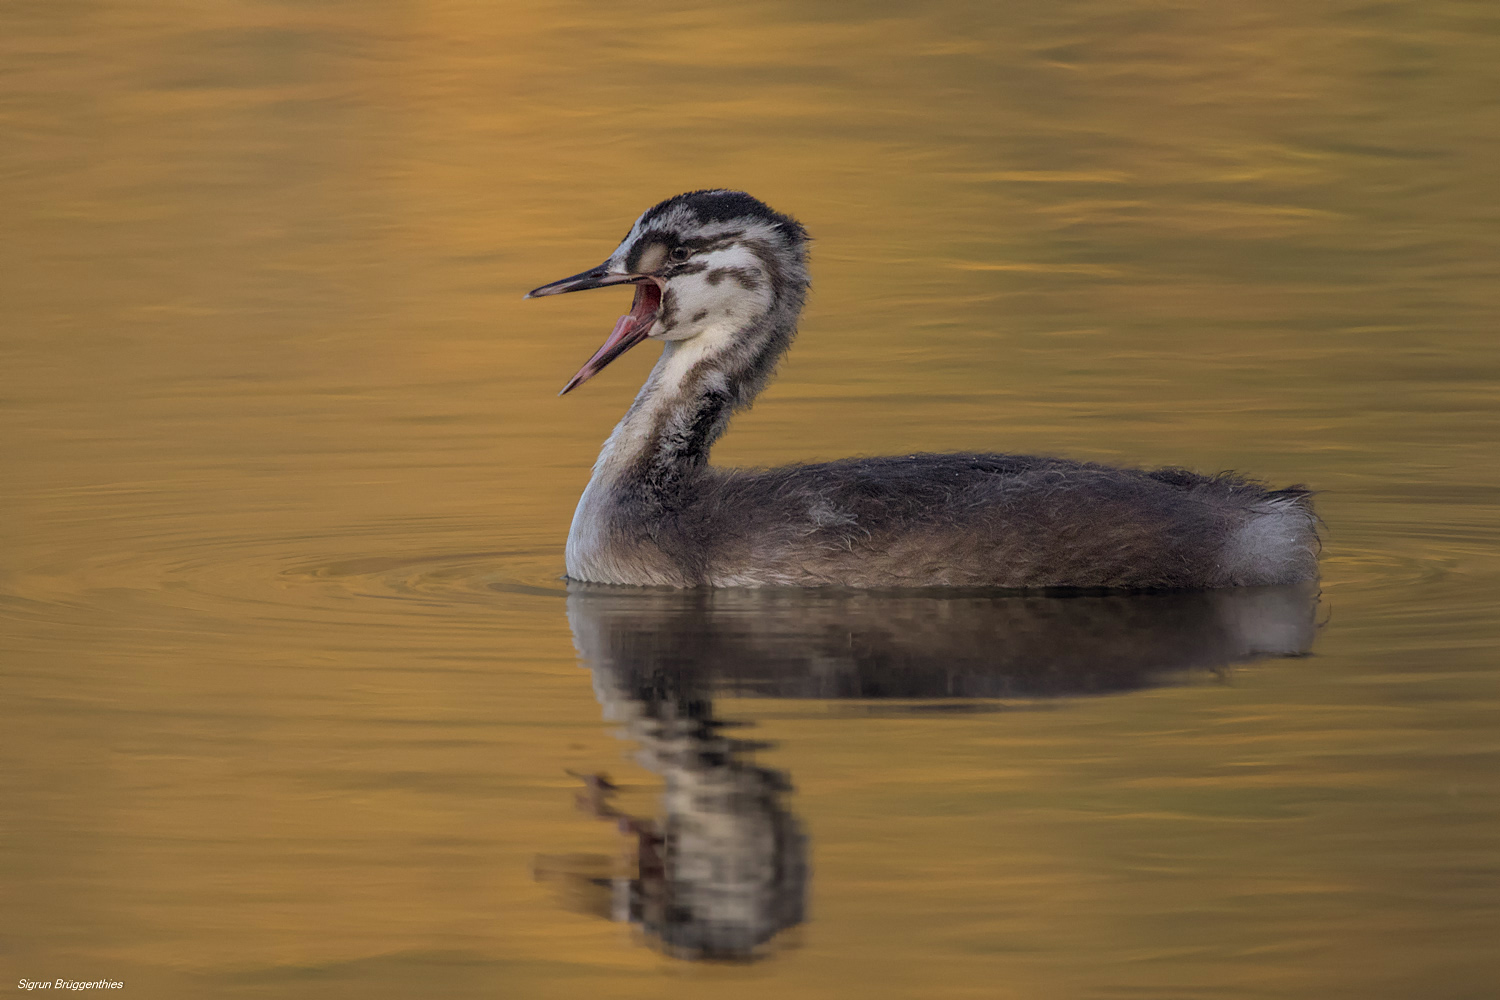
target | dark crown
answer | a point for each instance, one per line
(718, 205)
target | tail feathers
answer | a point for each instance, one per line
(1277, 542)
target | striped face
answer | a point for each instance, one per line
(709, 281)
(705, 264)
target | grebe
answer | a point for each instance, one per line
(720, 279)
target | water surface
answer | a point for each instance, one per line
(292, 687)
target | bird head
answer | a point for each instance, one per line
(706, 264)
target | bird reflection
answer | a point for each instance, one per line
(722, 869)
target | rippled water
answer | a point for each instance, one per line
(296, 702)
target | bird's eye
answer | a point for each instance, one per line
(679, 254)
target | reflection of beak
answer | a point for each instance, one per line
(629, 330)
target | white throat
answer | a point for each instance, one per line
(667, 401)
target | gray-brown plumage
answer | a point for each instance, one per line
(720, 279)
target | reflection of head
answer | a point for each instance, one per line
(724, 869)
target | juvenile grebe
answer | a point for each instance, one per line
(720, 279)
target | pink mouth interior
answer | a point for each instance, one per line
(643, 309)
(629, 330)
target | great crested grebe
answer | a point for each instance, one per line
(720, 279)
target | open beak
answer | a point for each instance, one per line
(629, 330)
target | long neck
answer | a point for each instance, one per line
(687, 401)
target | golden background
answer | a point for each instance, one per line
(289, 692)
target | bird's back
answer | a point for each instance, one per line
(981, 520)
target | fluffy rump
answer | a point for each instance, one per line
(1277, 542)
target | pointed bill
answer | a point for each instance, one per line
(630, 329)
(596, 277)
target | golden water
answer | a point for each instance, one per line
(290, 690)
